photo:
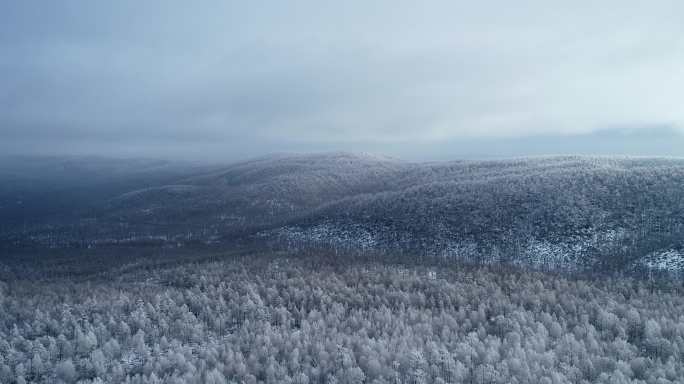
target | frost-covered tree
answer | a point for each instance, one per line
(308, 319)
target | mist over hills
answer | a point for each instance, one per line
(563, 212)
(38, 190)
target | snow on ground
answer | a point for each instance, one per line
(668, 260)
(355, 236)
(544, 253)
(558, 254)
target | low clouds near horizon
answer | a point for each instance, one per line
(236, 79)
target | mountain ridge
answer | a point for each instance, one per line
(569, 211)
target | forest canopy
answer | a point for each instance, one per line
(289, 318)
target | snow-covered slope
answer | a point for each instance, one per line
(670, 260)
(562, 212)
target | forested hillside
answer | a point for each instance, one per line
(564, 213)
(567, 212)
(257, 193)
(246, 318)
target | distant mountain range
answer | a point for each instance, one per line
(564, 212)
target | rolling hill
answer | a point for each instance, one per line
(563, 212)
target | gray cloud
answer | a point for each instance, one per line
(229, 79)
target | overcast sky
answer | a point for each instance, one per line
(420, 80)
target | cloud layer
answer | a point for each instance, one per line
(244, 78)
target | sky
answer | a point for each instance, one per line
(411, 79)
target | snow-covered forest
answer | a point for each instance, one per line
(564, 212)
(291, 318)
(350, 192)
(343, 268)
